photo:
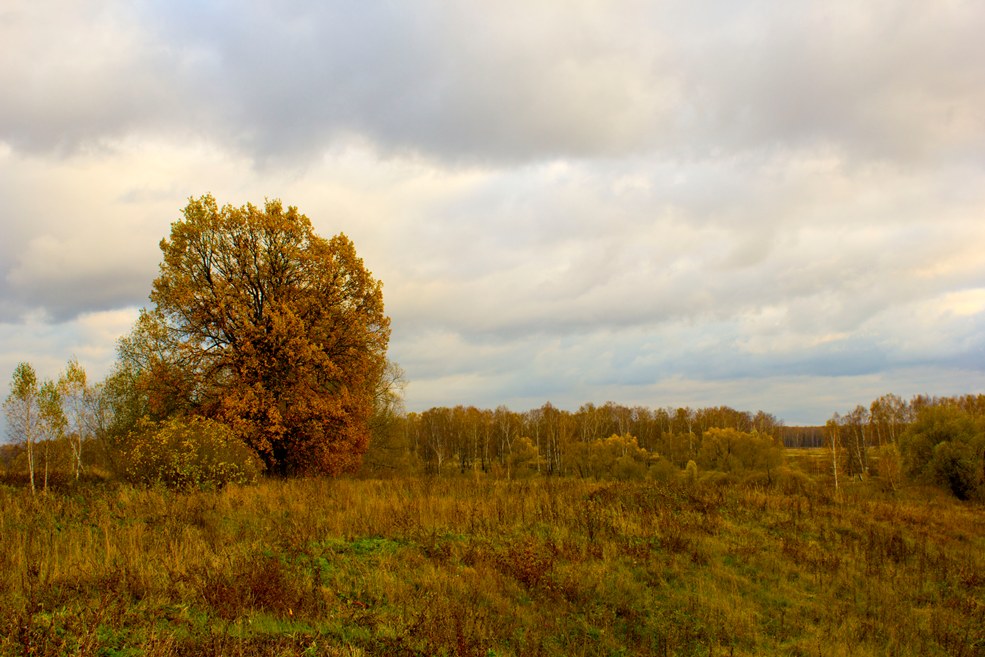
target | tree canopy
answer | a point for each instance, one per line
(263, 325)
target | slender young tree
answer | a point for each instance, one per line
(21, 410)
(74, 390)
(854, 437)
(832, 437)
(52, 422)
(507, 429)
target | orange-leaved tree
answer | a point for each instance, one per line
(269, 328)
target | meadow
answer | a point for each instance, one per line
(473, 565)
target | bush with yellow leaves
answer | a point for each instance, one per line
(189, 453)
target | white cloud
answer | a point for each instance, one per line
(91, 338)
(964, 302)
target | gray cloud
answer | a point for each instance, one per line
(71, 293)
(888, 80)
(677, 366)
(79, 73)
(282, 79)
(69, 247)
(829, 262)
(510, 82)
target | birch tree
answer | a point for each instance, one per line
(74, 390)
(51, 423)
(832, 439)
(21, 410)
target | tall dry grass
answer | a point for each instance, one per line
(478, 566)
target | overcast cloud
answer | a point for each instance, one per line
(769, 205)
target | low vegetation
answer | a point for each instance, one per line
(188, 454)
(166, 540)
(477, 566)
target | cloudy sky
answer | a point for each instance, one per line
(767, 205)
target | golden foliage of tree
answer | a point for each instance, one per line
(269, 328)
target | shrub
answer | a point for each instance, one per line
(784, 480)
(953, 467)
(888, 465)
(945, 446)
(691, 472)
(662, 470)
(188, 453)
(729, 450)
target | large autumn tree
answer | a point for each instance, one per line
(260, 323)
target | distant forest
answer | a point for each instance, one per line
(559, 441)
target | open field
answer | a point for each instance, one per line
(482, 567)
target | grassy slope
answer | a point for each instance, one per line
(488, 567)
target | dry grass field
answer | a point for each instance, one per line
(472, 566)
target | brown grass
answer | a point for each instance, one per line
(487, 567)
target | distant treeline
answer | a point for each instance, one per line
(553, 441)
(799, 437)
(882, 422)
(625, 441)
(929, 440)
